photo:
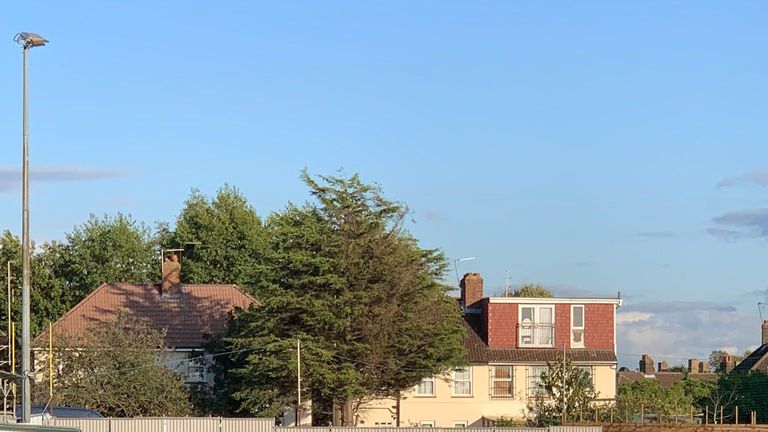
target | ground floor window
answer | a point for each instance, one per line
(534, 381)
(502, 381)
(427, 423)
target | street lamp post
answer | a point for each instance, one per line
(27, 41)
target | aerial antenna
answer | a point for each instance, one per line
(760, 310)
(506, 283)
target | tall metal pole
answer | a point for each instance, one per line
(10, 301)
(26, 400)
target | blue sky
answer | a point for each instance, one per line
(593, 147)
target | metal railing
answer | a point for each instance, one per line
(536, 335)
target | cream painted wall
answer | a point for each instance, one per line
(446, 410)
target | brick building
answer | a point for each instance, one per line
(509, 342)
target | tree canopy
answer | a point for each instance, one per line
(532, 290)
(347, 280)
(223, 239)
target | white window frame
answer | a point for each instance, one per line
(418, 390)
(460, 423)
(510, 380)
(534, 379)
(426, 423)
(468, 369)
(522, 336)
(575, 328)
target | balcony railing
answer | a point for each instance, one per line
(536, 335)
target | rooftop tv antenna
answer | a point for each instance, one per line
(760, 310)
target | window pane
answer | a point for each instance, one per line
(545, 315)
(461, 374)
(502, 371)
(578, 316)
(526, 314)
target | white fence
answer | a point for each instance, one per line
(167, 424)
(218, 424)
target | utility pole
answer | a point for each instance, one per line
(298, 382)
(10, 301)
(563, 390)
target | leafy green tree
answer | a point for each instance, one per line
(107, 250)
(348, 281)
(117, 373)
(567, 389)
(223, 239)
(532, 290)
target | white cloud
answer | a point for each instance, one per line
(631, 317)
(679, 330)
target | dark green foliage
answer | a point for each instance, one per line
(223, 239)
(532, 290)
(348, 281)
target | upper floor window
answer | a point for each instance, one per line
(577, 326)
(537, 326)
(426, 387)
(588, 370)
(462, 381)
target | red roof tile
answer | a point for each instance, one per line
(200, 311)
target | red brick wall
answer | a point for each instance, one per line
(598, 326)
(562, 325)
(502, 325)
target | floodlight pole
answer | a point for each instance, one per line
(26, 399)
(27, 41)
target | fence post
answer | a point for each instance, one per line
(721, 414)
(706, 415)
(642, 413)
(691, 413)
(736, 414)
(611, 415)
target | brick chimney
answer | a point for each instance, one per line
(693, 365)
(471, 290)
(765, 332)
(171, 286)
(703, 367)
(728, 364)
(663, 366)
(646, 365)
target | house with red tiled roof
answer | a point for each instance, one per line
(509, 342)
(189, 314)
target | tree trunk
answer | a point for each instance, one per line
(349, 415)
(397, 409)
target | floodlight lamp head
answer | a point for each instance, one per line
(30, 40)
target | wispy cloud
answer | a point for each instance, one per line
(684, 329)
(741, 224)
(657, 234)
(756, 177)
(10, 177)
(434, 215)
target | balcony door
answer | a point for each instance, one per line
(537, 326)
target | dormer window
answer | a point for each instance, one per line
(536, 326)
(577, 326)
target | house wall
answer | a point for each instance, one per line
(444, 409)
(176, 360)
(501, 325)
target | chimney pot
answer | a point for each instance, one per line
(693, 365)
(471, 290)
(646, 365)
(765, 332)
(171, 283)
